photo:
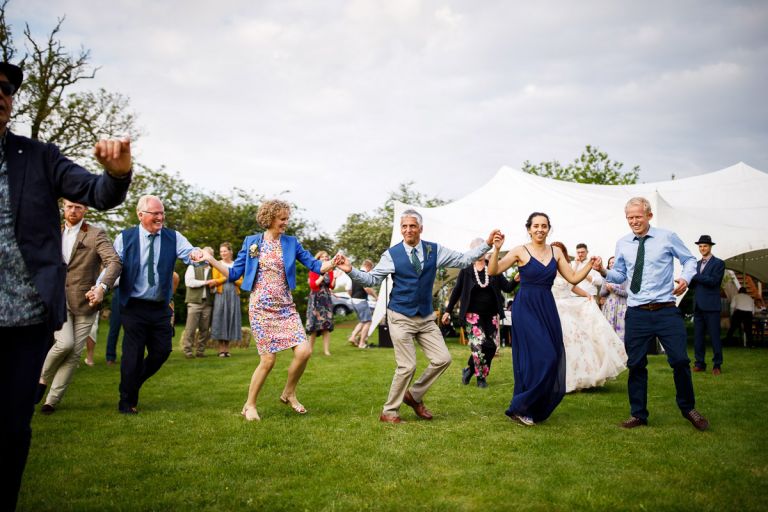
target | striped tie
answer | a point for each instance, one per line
(415, 261)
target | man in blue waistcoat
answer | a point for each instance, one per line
(149, 252)
(413, 264)
(33, 176)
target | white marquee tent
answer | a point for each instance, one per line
(730, 205)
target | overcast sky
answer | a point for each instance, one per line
(340, 101)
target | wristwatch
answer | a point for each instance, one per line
(104, 285)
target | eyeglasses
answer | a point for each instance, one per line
(154, 214)
(7, 88)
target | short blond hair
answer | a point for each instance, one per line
(269, 210)
(639, 201)
(320, 254)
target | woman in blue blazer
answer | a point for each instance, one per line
(267, 263)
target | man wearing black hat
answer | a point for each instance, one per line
(33, 176)
(706, 306)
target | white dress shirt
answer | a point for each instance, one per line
(742, 302)
(68, 239)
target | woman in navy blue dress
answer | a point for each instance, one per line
(538, 355)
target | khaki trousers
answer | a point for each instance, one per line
(404, 331)
(64, 355)
(198, 317)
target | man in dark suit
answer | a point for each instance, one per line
(706, 306)
(33, 176)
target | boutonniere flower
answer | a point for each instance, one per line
(253, 251)
(429, 251)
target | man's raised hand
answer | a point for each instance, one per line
(114, 155)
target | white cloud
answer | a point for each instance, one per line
(354, 97)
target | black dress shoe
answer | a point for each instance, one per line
(466, 375)
(698, 421)
(481, 383)
(633, 422)
(47, 409)
(40, 392)
(129, 410)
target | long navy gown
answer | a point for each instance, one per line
(538, 354)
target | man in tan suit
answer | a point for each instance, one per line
(85, 250)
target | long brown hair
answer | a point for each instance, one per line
(562, 248)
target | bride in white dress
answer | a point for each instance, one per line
(593, 351)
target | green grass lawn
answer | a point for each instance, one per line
(189, 448)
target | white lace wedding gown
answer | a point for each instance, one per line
(593, 351)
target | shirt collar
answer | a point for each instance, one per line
(144, 233)
(650, 234)
(76, 227)
(409, 248)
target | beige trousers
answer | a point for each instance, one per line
(404, 331)
(198, 318)
(64, 355)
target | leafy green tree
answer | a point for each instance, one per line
(593, 166)
(367, 234)
(74, 121)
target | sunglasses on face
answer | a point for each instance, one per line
(7, 88)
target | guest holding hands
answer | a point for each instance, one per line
(538, 354)
(413, 264)
(320, 305)
(267, 264)
(226, 321)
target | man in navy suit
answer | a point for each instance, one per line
(33, 176)
(706, 306)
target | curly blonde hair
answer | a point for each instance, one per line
(269, 210)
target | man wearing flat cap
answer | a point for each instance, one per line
(33, 176)
(706, 306)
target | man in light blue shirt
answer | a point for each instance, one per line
(149, 252)
(646, 257)
(413, 264)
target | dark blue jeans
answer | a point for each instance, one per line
(114, 326)
(641, 327)
(707, 322)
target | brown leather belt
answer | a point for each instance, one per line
(653, 306)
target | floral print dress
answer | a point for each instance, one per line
(275, 323)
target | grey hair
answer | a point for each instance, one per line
(412, 213)
(143, 200)
(639, 201)
(474, 243)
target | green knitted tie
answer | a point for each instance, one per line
(637, 275)
(151, 261)
(415, 261)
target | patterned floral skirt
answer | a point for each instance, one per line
(320, 311)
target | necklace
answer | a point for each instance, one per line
(539, 258)
(477, 278)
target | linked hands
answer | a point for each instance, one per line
(446, 319)
(95, 295)
(342, 262)
(498, 240)
(680, 287)
(492, 236)
(114, 155)
(196, 256)
(597, 264)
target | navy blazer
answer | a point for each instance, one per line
(38, 175)
(247, 262)
(707, 285)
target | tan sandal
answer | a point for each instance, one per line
(250, 413)
(300, 409)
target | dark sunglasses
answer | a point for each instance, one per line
(7, 88)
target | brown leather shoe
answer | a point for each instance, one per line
(386, 418)
(697, 369)
(698, 421)
(418, 407)
(47, 409)
(716, 371)
(633, 422)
